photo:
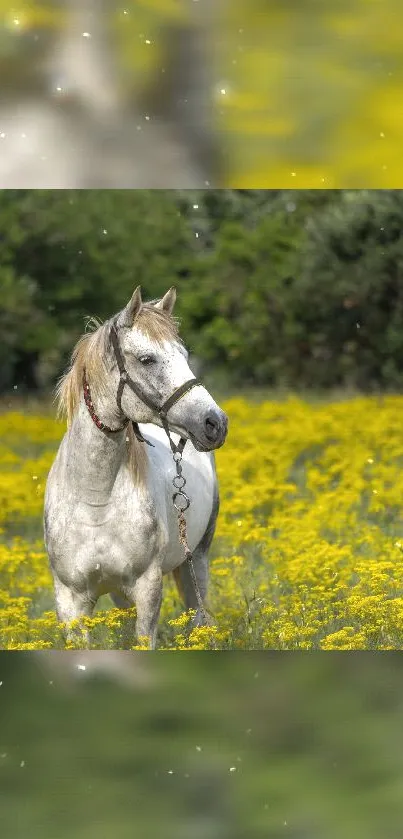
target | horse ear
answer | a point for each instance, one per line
(168, 301)
(130, 312)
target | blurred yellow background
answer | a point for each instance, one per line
(307, 93)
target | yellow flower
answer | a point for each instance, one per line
(308, 550)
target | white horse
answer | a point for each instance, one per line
(110, 523)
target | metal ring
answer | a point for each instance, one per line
(177, 456)
(179, 478)
(175, 496)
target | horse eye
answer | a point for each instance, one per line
(146, 359)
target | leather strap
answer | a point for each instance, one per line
(162, 411)
(177, 395)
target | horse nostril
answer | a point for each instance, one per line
(212, 426)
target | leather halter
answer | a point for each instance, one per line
(124, 380)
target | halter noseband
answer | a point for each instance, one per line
(124, 380)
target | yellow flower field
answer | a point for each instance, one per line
(309, 548)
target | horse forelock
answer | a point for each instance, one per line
(157, 325)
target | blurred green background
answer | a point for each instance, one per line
(283, 289)
(257, 745)
(305, 93)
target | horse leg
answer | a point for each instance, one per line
(147, 596)
(72, 605)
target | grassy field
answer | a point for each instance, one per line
(308, 552)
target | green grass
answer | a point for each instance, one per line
(313, 742)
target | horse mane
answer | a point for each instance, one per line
(92, 352)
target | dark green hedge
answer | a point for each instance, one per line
(284, 288)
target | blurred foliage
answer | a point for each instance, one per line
(306, 93)
(282, 288)
(263, 745)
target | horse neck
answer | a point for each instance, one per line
(94, 458)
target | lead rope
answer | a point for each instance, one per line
(179, 482)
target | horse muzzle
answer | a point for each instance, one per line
(211, 433)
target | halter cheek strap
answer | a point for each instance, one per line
(125, 379)
(91, 410)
